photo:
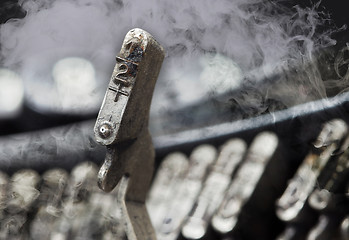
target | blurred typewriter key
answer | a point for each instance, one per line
(108, 215)
(54, 182)
(187, 192)
(22, 195)
(332, 132)
(292, 232)
(100, 216)
(74, 216)
(24, 192)
(301, 185)
(329, 196)
(321, 199)
(214, 189)
(325, 229)
(86, 212)
(11, 94)
(243, 184)
(344, 228)
(168, 178)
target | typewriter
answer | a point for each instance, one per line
(224, 168)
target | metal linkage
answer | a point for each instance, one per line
(292, 232)
(329, 196)
(168, 179)
(345, 228)
(122, 126)
(244, 183)
(187, 192)
(73, 217)
(326, 228)
(214, 188)
(302, 184)
(49, 203)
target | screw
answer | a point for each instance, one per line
(105, 130)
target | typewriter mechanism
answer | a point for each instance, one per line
(282, 174)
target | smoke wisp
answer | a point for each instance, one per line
(255, 39)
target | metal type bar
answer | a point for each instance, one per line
(74, 215)
(242, 186)
(168, 179)
(187, 192)
(326, 228)
(122, 126)
(54, 182)
(344, 228)
(212, 194)
(328, 196)
(21, 196)
(302, 184)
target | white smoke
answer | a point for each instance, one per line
(260, 39)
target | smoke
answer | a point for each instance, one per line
(339, 81)
(58, 205)
(247, 41)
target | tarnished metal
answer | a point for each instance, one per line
(50, 208)
(74, 215)
(214, 188)
(345, 228)
(22, 194)
(302, 184)
(242, 186)
(327, 196)
(122, 126)
(292, 232)
(188, 188)
(168, 179)
(325, 229)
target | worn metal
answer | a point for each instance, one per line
(214, 188)
(49, 203)
(168, 179)
(345, 228)
(188, 189)
(73, 216)
(21, 196)
(291, 203)
(326, 228)
(329, 196)
(122, 126)
(243, 185)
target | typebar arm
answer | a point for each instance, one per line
(122, 126)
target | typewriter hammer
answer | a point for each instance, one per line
(122, 126)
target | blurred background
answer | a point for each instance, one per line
(232, 69)
(224, 61)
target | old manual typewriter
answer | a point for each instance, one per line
(207, 170)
